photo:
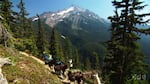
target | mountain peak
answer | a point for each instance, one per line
(72, 13)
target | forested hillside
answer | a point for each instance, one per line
(117, 50)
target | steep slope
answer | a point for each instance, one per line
(25, 70)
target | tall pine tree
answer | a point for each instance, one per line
(124, 58)
(87, 63)
(68, 49)
(22, 21)
(40, 37)
(76, 59)
(96, 64)
(61, 54)
(54, 45)
(7, 13)
(6, 21)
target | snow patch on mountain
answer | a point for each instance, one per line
(58, 16)
(35, 19)
(61, 20)
(65, 11)
(63, 36)
(53, 14)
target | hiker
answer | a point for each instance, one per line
(47, 57)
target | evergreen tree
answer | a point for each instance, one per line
(40, 38)
(124, 58)
(6, 21)
(30, 33)
(23, 25)
(68, 49)
(7, 13)
(87, 64)
(76, 60)
(23, 31)
(61, 54)
(30, 40)
(54, 45)
(95, 61)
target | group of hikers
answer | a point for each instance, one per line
(60, 68)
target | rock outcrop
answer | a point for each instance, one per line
(3, 61)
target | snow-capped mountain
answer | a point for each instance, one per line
(77, 24)
(73, 12)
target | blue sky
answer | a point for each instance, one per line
(103, 8)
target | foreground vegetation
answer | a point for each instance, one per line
(25, 70)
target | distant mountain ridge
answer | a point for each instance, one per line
(52, 18)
